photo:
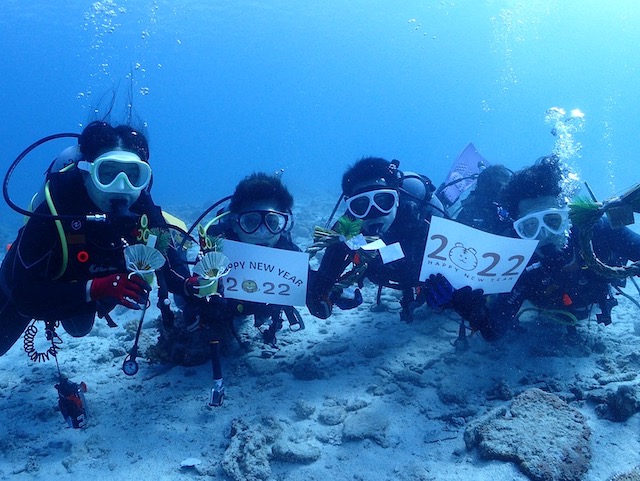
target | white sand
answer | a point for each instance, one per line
(374, 366)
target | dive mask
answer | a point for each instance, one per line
(554, 221)
(384, 200)
(118, 172)
(275, 222)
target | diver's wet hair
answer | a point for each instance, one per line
(99, 137)
(370, 169)
(492, 181)
(134, 141)
(542, 179)
(261, 187)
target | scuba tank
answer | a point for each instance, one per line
(67, 157)
(416, 197)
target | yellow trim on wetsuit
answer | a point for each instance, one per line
(173, 220)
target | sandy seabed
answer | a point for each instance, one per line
(360, 396)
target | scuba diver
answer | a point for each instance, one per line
(259, 213)
(483, 207)
(559, 281)
(68, 264)
(394, 206)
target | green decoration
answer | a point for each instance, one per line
(348, 228)
(345, 229)
(163, 239)
(584, 211)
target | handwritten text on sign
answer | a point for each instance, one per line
(265, 274)
(471, 257)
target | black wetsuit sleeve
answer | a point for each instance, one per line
(336, 258)
(176, 271)
(37, 261)
(615, 246)
(503, 309)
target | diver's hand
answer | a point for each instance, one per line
(127, 290)
(196, 286)
(347, 299)
(467, 301)
(437, 291)
(471, 305)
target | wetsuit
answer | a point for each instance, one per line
(402, 274)
(559, 280)
(218, 313)
(44, 274)
(482, 212)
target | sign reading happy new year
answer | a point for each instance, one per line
(471, 257)
(264, 274)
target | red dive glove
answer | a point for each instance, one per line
(191, 286)
(128, 290)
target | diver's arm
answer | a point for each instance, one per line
(336, 259)
(503, 311)
(615, 246)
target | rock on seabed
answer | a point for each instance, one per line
(542, 434)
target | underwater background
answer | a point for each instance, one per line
(226, 88)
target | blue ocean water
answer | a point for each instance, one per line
(231, 87)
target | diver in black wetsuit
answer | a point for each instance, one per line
(67, 262)
(557, 279)
(483, 207)
(390, 205)
(259, 213)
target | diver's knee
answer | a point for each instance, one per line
(79, 325)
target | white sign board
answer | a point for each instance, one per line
(264, 274)
(471, 257)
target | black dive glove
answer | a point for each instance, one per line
(436, 291)
(318, 301)
(321, 306)
(471, 305)
(344, 301)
